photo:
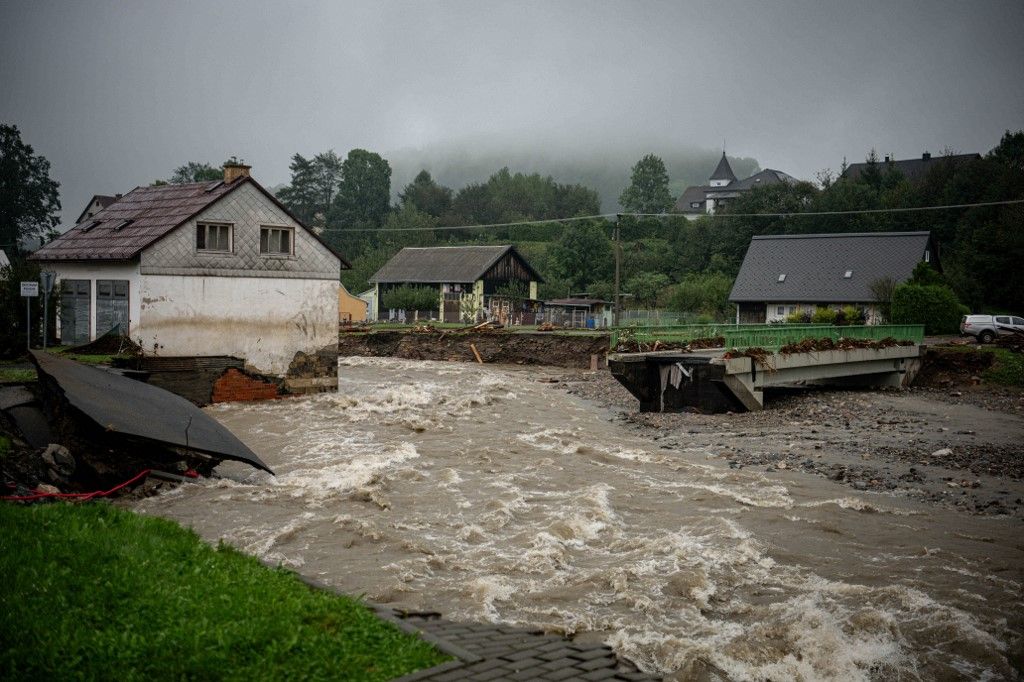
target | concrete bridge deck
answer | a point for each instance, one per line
(670, 381)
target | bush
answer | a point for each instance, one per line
(707, 294)
(824, 316)
(799, 317)
(933, 305)
(407, 297)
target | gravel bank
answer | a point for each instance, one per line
(961, 447)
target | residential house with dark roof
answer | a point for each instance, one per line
(95, 205)
(471, 281)
(723, 187)
(784, 274)
(913, 170)
(199, 269)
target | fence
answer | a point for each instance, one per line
(769, 336)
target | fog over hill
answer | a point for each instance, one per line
(605, 167)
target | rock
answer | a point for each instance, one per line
(944, 452)
(860, 485)
(781, 465)
(59, 459)
(48, 489)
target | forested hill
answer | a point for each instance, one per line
(604, 168)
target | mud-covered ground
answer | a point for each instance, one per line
(959, 446)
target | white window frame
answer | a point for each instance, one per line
(205, 226)
(278, 254)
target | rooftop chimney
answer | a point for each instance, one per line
(233, 170)
(926, 156)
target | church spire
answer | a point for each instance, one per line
(723, 174)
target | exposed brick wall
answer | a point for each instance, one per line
(235, 386)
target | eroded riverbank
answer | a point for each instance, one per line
(490, 494)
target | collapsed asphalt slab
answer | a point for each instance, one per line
(118, 423)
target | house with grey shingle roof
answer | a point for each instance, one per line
(913, 170)
(470, 281)
(723, 187)
(199, 269)
(784, 274)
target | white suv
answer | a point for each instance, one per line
(986, 327)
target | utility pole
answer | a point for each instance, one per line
(618, 261)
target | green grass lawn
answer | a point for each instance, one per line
(16, 375)
(95, 592)
(1008, 368)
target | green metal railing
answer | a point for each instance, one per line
(769, 335)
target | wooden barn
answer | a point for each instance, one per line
(471, 282)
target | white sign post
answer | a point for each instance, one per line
(29, 290)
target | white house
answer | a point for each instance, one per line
(789, 273)
(207, 268)
(723, 187)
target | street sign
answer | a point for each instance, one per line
(47, 279)
(30, 289)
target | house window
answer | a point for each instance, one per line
(213, 237)
(276, 241)
(782, 278)
(694, 204)
(848, 274)
(792, 309)
(780, 311)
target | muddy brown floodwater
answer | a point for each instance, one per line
(487, 494)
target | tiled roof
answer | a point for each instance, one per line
(444, 264)
(136, 220)
(695, 193)
(815, 266)
(141, 217)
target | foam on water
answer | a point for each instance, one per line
(484, 494)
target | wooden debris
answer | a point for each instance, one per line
(476, 353)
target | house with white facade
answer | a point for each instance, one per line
(199, 269)
(790, 273)
(723, 187)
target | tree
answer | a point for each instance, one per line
(314, 186)
(364, 193)
(426, 195)
(29, 199)
(194, 171)
(583, 254)
(648, 188)
(647, 287)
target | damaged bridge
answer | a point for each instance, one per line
(711, 381)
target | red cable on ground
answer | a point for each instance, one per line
(79, 496)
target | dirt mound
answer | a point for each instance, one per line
(557, 350)
(944, 367)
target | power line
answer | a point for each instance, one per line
(802, 214)
(807, 214)
(470, 227)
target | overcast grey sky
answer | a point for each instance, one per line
(117, 94)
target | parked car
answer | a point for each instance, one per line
(985, 328)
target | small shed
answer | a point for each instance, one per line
(589, 313)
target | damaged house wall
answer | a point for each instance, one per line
(199, 269)
(241, 302)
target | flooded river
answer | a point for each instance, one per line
(486, 494)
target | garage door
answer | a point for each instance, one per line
(75, 304)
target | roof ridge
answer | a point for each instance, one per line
(829, 235)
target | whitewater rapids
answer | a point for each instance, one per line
(488, 495)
